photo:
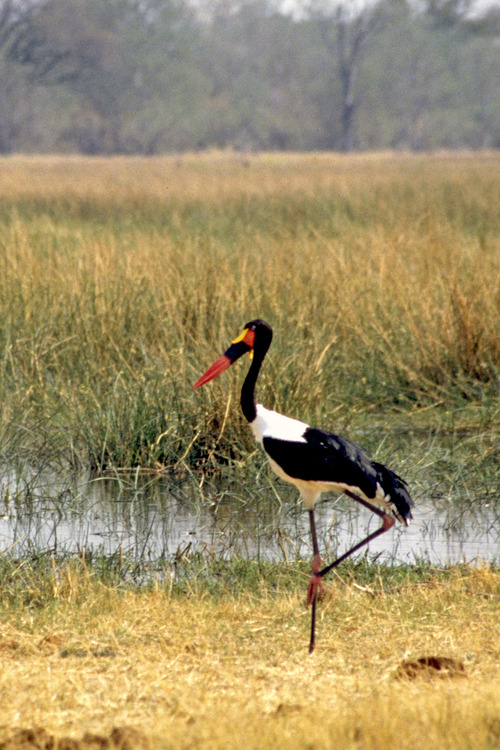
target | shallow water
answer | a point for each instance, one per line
(148, 519)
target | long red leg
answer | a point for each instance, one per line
(387, 523)
(315, 582)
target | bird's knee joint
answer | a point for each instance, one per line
(388, 522)
(316, 564)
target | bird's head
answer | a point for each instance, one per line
(255, 337)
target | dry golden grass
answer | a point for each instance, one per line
(124, 277)
(195, 671)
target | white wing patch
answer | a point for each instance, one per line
(269, 423)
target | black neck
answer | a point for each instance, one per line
(263, 338)
(247, 399)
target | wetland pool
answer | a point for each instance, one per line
(149, 519)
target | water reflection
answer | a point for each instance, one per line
(148, 519)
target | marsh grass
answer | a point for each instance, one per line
(216, 656)
(122, 279)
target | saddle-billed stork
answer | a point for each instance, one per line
(313, 460)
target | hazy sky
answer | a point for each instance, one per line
(480, 5)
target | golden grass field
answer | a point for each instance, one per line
(104, 667)
(124, 277)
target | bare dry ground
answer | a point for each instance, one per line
(415, 665)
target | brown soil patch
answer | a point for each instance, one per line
(37, 738)
(430, 666)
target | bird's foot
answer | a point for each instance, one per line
(315, 583)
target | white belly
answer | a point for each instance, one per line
(310, 491)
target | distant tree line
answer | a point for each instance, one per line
(150, 76)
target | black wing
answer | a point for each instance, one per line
(324, 457)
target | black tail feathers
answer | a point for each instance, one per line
(397, 491)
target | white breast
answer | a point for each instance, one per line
(269, 423)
